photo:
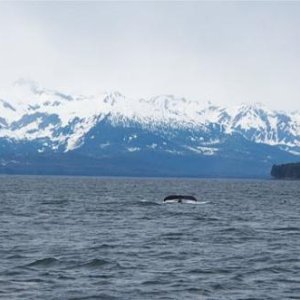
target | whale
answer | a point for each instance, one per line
(179, 199)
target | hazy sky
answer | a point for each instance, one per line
(226, 52)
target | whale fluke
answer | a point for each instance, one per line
(179, 198)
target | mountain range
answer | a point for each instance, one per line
(44, 131)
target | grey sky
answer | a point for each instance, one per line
(226, 52)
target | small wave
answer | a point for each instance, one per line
(207, 219)
(15, 256)
(97, 296)
(48, 261)
(200, 202)
(172, 236)
(64, 277)
(151, 282)
(94, 263)
(104, 246)
(148, 203)
(230, 229)
(201, 271)
(57, 202)
(288, 228)
(269, 269)
(35, 280)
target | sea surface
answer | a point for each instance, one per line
(106, 238)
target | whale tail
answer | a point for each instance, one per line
(179, 198)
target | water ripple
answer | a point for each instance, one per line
(97, 238)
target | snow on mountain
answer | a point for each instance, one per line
(62, 120)
(261, 125)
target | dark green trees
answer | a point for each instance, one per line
(291, 171)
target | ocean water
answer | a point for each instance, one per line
(104, 238)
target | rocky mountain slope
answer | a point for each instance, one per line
(43, 130)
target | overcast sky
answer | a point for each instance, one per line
(226, 52)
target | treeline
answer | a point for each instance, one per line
(291, 170)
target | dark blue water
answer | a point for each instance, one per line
(93, 238)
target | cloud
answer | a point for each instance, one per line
(225, 52)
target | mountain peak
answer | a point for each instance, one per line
(113, 97)
(252, 106)
(36, 112)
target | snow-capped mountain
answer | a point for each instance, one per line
(109, 127)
